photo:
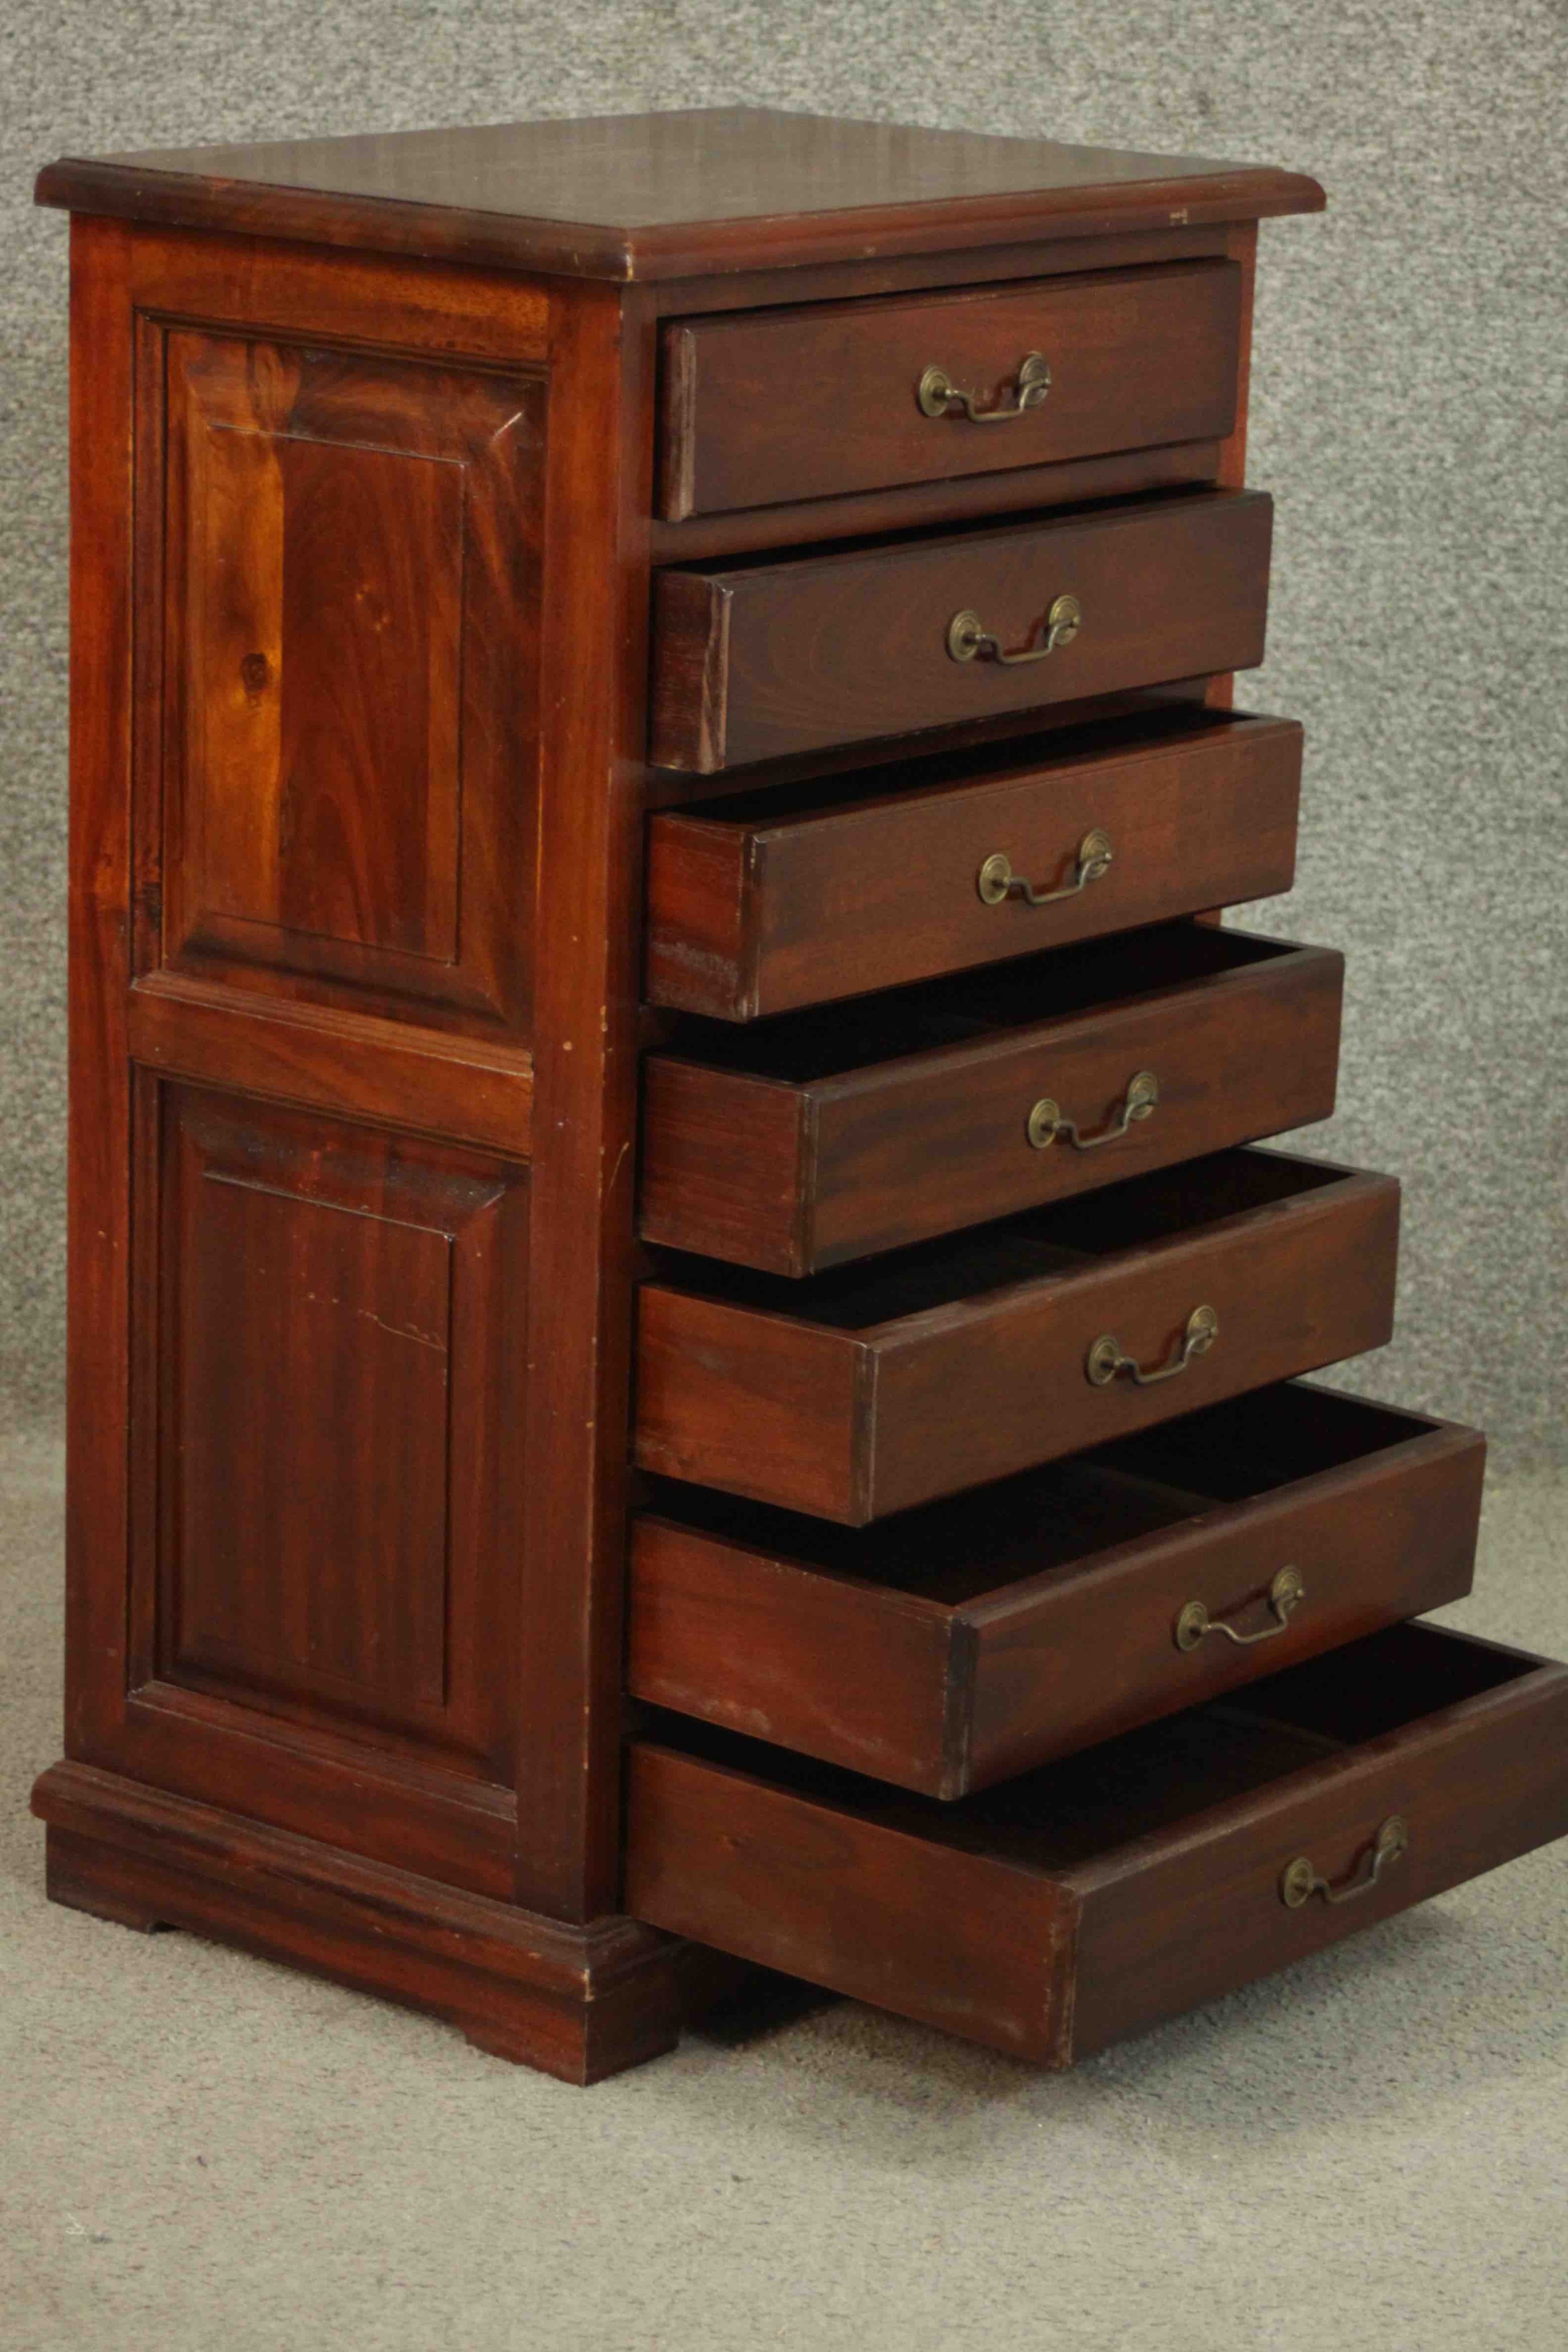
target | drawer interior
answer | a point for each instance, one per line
(1037, 1243)
(873, 786)
(824, 1041)
(802, 557)
(1084, 1807)
(1059, 1518)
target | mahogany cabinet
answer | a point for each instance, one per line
(682, 1352)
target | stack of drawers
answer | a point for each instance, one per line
(837, 534)
(1030, 1641)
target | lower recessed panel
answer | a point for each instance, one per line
(338, 1311)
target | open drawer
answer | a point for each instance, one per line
(952, 1646)
(867, 1391)
(1122, 1886)
(828, 1135)
(758, 659)
(767, 901)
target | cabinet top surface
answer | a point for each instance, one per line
(673, 195)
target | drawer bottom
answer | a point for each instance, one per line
(1100, 1894)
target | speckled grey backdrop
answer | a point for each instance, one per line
(1408, 416)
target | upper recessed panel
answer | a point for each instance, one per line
(351, 553)
(660, 195)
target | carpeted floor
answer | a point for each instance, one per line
(198, 2150)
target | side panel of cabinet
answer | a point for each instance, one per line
(298, 1458)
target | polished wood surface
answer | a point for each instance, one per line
(906, 1114)
(432, 1082)
(1461, 1737)
(288, 1506)
(316, 1278)
(868, 1391)
(1088, 1900)
(98, 1225)
(574, 1412)
(646, 197)
(373, 1376)
(351, 553)
(788, 898)
(1136, 357)
(762, 287)
(918, 505)
(429, 1811)
(762, 659)
(480, 869)
(956, 1644)
(580, 2003)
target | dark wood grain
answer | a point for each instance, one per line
(361, 1794)
(958, 1644)
(1241, 243)
(811, 403)
(760, 1402)
(574, 1412)
(243, 1382)
(467, 1089)
(580, 2003)
(781, 900)
(660, 195)
(966, 498)
(337, 1778)
(761, 659)
(339, 1308)
(1479, 1778)
(910, 1111)
(976, 265)
(364, 684)
(903, 1922)
(364, 304)
(1006, 734)
(351, 656)
(98, 1335)
(1086, 1900)
(858, 1395)
(963, 497)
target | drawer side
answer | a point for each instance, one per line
(958, 1940)
(759, 1405)
(859, 1673)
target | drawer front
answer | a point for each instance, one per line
(1080, 1587)
(793, 1179)
(1049, 1918)
(812, 402)
(1176, 1921)
(850, 1424)
(755, 914)
(762, 660)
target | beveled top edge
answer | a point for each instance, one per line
(689, 192)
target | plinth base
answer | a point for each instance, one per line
(578, 2002)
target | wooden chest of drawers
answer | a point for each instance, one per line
(685, 1346)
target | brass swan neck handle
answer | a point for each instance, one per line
(938, 396)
